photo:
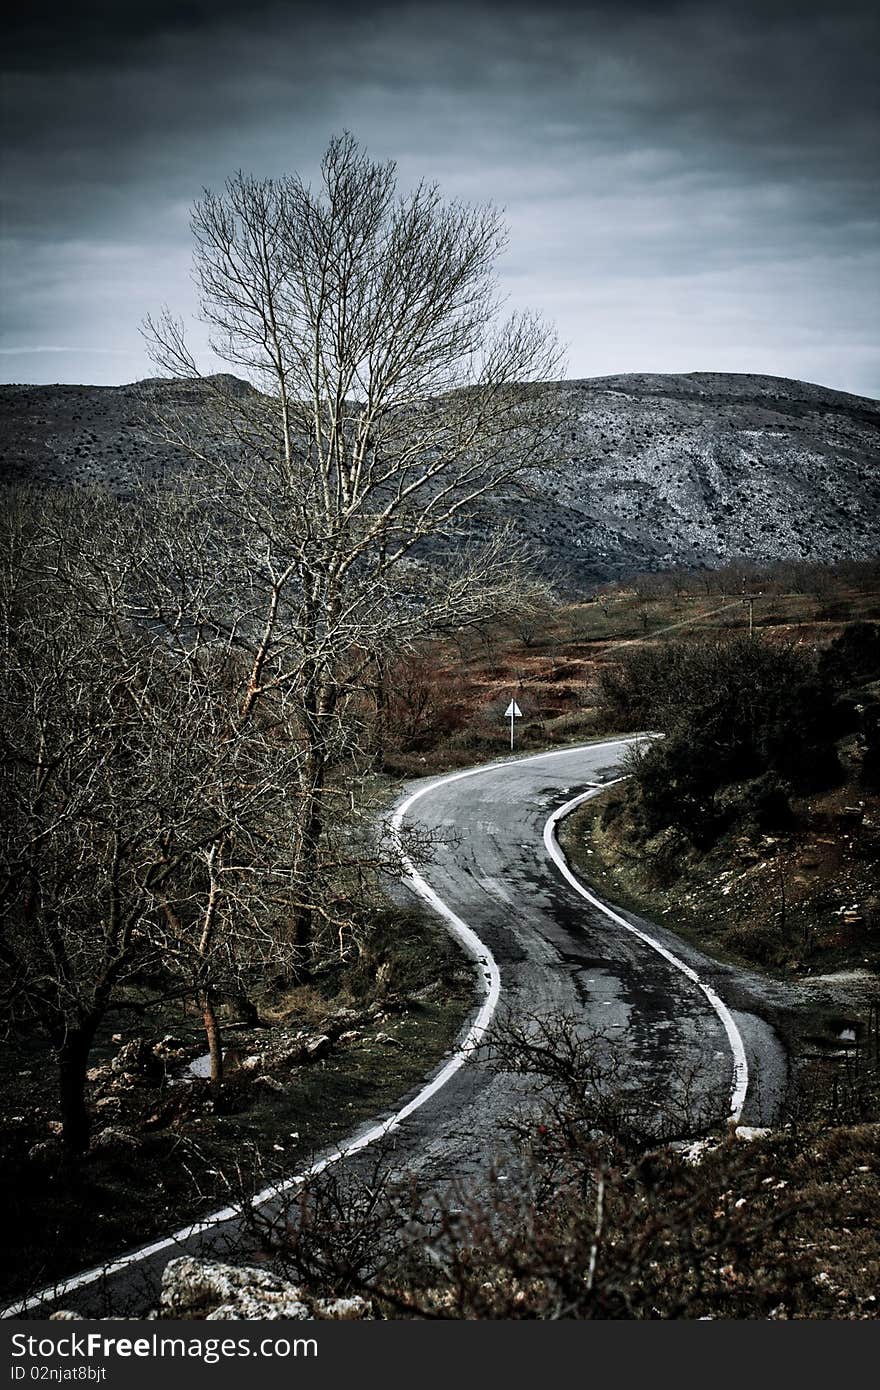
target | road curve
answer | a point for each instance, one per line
(541, 947)
(739, 1085)
(557, 950)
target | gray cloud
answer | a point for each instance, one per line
(688, 185)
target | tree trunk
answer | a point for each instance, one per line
(215, 1041)
(246, 1009)
(73, 1061)
(303, 915)
(379, 725)
(307, 856)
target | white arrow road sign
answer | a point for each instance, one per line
(512, 712)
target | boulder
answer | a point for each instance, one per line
(113, 1139)
(108, 1103)
(46, 1150)
(270, 1084)
(342, 1309)
(137, 1059)
(204, 1289)
(213, 1291)
(170, 1049)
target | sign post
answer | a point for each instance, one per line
(512, 712)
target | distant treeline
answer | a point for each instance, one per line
(747, 577)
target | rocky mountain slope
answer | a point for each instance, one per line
(652, 470)
(666, 470)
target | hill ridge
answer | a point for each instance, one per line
(653, 469)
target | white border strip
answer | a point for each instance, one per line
(488, 970)
(740, 1082)
(491, 980)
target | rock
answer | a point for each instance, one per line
(387, 1040)
(429, 992)
(317, 1047)
(269, 1083)
(45, 1150)
(123, 1083)
(137, 1058)
(351, 1036)
(632, 448)
(252, 1063)
(169, 1049)
(113, 1139)
(342, 1309)
(345, 1018)
(202, 1289)
(68, 1315)
(745, 852)
(213, 1291)
(694, 1153)
(292, 1057)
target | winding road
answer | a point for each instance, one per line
(543, 945)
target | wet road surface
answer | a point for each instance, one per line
(555, 954)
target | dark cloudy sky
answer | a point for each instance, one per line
(689, 186)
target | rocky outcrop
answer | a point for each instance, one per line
(660, 471)
(206, 1290)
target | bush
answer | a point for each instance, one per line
(677, 788)
(853, 658)
(870, 774)
(764, 802)
(738, 713)
(630, 690)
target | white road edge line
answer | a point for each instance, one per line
(740, 1081)
(491, 982)
(491, 978)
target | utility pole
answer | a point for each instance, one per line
(750, 600)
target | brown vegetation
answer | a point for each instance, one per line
(594, 1214)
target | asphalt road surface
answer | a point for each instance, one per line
(555, 953)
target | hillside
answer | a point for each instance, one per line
(652, 470)
(668, 470)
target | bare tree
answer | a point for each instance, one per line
(220, 893)
(140, 809)
(75, 862)
(352, 487)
